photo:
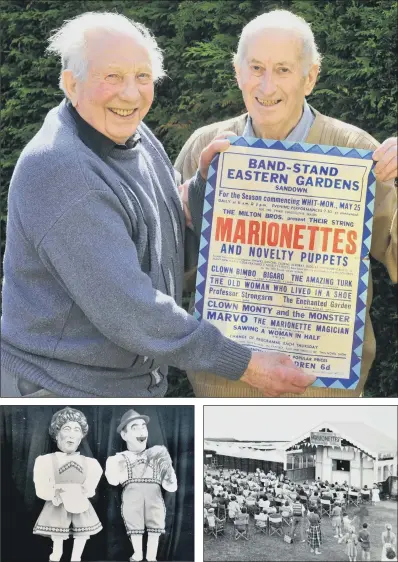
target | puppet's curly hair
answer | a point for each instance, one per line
(64, 416)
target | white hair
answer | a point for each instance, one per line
(70, 41)
(283, 20)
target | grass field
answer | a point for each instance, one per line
(260, 547)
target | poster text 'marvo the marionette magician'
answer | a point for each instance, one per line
(283, 263)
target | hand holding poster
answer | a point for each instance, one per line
(283, 263)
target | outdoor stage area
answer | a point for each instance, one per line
(273, 548)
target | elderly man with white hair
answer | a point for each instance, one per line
(94, 257)
(277, 63)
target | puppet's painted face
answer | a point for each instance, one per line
(69, 437)
(136, 435)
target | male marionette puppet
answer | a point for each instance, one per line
(66, 479)
(141, 472)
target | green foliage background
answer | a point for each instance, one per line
(357, 84)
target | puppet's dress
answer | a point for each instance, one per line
(142, 501)
(78, 477)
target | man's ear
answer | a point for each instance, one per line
(70, 84)
(310, 79)
(123, 434)
(237, 74)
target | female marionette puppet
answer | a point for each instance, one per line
(66, 479)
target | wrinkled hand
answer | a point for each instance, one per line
(218, 144)
(274, 374)
(387, 160)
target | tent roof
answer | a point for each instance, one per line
(245, 451)
(362, 436)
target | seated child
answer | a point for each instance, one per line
(212, 519)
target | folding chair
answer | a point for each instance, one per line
(222, 511)
(365, 497)
(287, 521)
(241, 531)
(217, 530)
(261, 526)
(275, 526)
(326, 508)
(354, 499)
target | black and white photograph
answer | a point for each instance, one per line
(97, 483)
(287, 483)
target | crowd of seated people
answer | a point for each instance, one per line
(267, 497)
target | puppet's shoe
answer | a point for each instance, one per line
(133, 559)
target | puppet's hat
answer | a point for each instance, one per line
(130, 416)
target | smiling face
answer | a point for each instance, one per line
(69, 437)
(118, 90)
(136, 435)
(271, 78)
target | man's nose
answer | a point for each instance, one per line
(267, 84)
(130, 90)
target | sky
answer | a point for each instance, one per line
(262, 423)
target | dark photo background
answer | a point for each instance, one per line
(24, 436)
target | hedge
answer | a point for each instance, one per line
(357, 84)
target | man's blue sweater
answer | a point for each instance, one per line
(93, 270)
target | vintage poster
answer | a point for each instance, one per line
(284, 252)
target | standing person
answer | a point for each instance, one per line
(347, 522)
(364, 541)
(277, 63)
(314, 531)
(336, 520)
(389, 541)
(298, 518)
(92, 288)
(375, 494)
(350, 539)
(66, 479)
(142, 472)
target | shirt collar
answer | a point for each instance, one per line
(61, 454)
(298, 134)
(96, 141)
